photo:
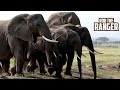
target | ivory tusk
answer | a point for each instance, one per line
(53, 41)
(84, 56)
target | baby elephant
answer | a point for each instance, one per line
(37, 52)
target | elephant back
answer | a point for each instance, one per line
(61, 18)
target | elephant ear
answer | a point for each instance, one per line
(19, 28)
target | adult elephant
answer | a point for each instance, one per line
(15, 34)
(85, 41)
(61, 18)
(68, 42)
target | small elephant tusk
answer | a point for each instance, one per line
(55, 55)
(78, 56)
(53, 41)
(90, 50)
(84, 56)
(98, 52)
(78, 26)
(93, 52)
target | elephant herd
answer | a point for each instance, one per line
(29, 38)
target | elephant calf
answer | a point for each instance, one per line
(37, 51)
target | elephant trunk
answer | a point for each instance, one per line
(49, 58)
(31, 47)
(46, 34)
(92, 56)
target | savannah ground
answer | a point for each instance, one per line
(107, 65)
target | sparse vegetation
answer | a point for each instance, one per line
(107, 65)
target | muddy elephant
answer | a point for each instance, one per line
(61, 18)
(15, 34)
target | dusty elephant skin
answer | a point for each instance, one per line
(71, 21)
(15, 34)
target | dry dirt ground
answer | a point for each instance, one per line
(87, 73)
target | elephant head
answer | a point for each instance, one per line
(28, 27)
(62, 18)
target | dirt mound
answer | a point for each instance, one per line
(114, 67)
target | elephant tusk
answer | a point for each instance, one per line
(84, 56)
(98, 52)
(55, 55)
(78, 26)
(78, 56)
(93, 52)
(28, 55)
(60, 55)
(90, 50)
(53, 41)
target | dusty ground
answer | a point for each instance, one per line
(87, 74)
(108, 66)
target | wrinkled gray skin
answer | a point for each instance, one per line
(15, 34)
(37, 52)
(68, 42)
(56, 20)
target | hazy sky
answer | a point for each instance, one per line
(87, 19)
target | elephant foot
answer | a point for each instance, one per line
(94, 77)
(29, 69)
(6, 74)
(0, 69)
(13, 71)
(58, 76)
(42, 72)
(50, 71)
(19, 75)
(80, 78)
(68, 73)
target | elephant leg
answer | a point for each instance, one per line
(61, 63)
(69, 63)
(19, 62)
(79, 67)
(19, 65)
(79, 53)
(18, 48)
(32, 66)
(25, 66)
(41, 61)
(6, 66)
(93, 64)
(13, 69)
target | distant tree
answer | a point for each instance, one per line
(102, 39)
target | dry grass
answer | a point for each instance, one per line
(107, 66)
